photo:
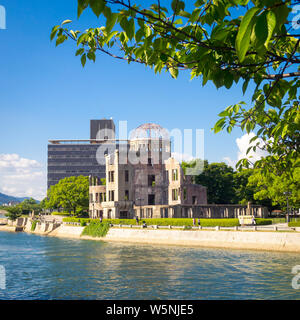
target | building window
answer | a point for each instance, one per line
(151, 180)
(123, 214)
(111, 176)
(184, 194)
(126, 195)
(194, 200)
(149, 161)
(151, 199)
(175, 194)
(126, 175)
(175, 174)
(102, 197)
(111, 196)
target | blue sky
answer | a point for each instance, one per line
(46, 94)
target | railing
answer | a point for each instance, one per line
(217, 228)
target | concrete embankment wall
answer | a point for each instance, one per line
(257, 240)
(277, 241)
(272, 241)
(67, 232)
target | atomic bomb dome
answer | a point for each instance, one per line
(150, 131)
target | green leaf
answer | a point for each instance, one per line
(173, 72)
(261, 29)
(79, 52)
(131, 29)
(82, 5)
(73, 34)
(228, 80)
(97, 6)
(60, 39)
(83, 60)
(271, 21)
(111, 21)
(177, 6)
(163, 57)
(219, 125)
(91, 56)
(243, 37)
(53, 32)
(245, 85)
(66, 21)
(81, 38)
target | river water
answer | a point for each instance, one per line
(40, 267)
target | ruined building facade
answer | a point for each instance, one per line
(143, 180)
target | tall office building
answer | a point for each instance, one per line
(67, 158)
(102, 129)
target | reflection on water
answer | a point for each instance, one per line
(51, 268)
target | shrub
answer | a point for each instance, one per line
(263, 222)
(61, 213)
(33, 225)
(180, 222)
(168, 222)
(219, 222)
(294, 224)
(96, 230)
(83, 224)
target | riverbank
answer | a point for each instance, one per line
(255, 240)
(269, 240)
(10, 228)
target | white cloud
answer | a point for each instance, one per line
(182, 157)
(243, 144)
(21, 177)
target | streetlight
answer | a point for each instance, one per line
(140, 199)
(287, 194)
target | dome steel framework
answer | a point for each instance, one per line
(150, 131)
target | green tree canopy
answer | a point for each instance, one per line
(70, 194)
(273, 187)
(218, 178)
(30, 205)
(244, 191)
(14, 212)
(223, 41)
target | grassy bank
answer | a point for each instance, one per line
(96, 230)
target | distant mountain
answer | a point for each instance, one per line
(6, 199)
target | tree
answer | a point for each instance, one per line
(13, 213)
(218, 178)
(244, 191)
(271, 186)
(223, 41)
(29, 205)
(224, 186)
(70, 194)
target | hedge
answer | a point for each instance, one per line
(294, 224)
(219, 222)
(263, 222)
(161, 222)
(61, 213)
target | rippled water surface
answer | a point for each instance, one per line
(52, 268)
